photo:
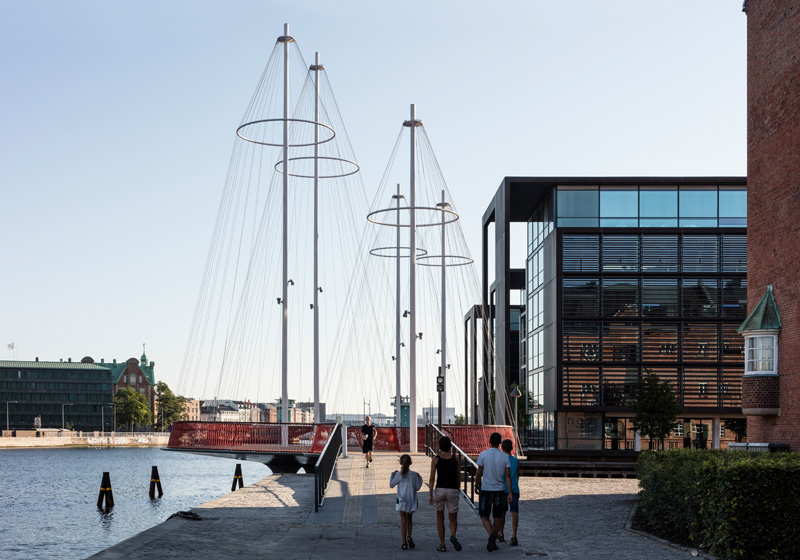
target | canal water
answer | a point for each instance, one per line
(48, 497)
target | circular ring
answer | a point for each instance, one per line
(241, 135)
(356, 170)
(453, 217)
(382, 252)
(459, 260)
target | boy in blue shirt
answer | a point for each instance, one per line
(508, 447)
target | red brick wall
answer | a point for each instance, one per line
(773, 202)
(761, 392)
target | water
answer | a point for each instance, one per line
(48, 497)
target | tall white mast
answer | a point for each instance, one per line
(412, 231)
(443, 412)
(397, 398)
(285, 324)
(316, 68)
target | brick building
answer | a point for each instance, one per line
(771, 384)
(136, 374)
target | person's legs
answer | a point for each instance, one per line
(403, 527)
(485, 510)
(453, 524)
(514, 523)
(440, 525)
(409, 526)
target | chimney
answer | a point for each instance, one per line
(69, 359)
(37, 358)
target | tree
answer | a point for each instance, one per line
(132, 408)
(460, 420)
(738, 426)
(170, 406)
(656, 408)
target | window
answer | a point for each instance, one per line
(761, 355)
(658, 203)
(678, 429)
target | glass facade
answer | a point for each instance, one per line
(650, 206)
(635, 298)
(41, 391)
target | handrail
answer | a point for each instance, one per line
(466, 465)
(323, 470)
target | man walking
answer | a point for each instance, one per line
(494, 468)
(368, 431)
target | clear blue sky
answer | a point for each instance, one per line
(117, 121)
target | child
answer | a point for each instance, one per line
(508, 446)
(408, 483)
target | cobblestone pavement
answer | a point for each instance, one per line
(560, 518)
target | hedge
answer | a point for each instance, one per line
(737, 504)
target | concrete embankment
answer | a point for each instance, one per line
(128, 440)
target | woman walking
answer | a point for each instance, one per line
(446, 473)
(408, 483)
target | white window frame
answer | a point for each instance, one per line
(756, 336)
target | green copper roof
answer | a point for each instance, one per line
(50, 365)
(765, 316)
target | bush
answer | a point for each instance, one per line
(737, 504)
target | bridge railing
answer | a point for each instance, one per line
(250, 436)
(323, 470)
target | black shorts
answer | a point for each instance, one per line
(367, 446)
(493, 503)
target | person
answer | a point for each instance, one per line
(408, 483)
(369, 432)
(507, 446)
(446, 473)
(493, 467)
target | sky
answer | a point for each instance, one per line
(117, 121)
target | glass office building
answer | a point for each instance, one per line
(622, 277)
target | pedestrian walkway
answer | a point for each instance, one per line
(274, 518)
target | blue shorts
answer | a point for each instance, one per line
(493, 503)
(514, 506)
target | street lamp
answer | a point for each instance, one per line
(516, 394)
(7, 403)
(62, 414)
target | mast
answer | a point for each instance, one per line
(397, 398)
(285, 321)
(443, 411)
(316, 68)
(412, 230)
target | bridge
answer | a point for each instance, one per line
(286, 448)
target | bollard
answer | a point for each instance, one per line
(154, 480)
(105, 492)
(237, 476)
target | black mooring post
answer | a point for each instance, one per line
(237, 476)
(105, 492)
(155, 481)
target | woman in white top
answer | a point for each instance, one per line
(408, 483)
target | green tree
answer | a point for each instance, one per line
(132, 409)
(170, 406)
(460, 420)
(656, 408)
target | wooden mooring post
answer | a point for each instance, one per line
(155, 481)
(237, 476)
(105, 492)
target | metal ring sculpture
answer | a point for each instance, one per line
(377, 252)
(459, 260)
(453, 217)
(241, 135)
(356, 170)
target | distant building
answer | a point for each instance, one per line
(191, 410)
(219, 411)
(68, 393)
(137, 375)
(267, 413)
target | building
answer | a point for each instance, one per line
(219, 411)
(268, 413)
(137, 375)
(191, 410)
(69, 394)
(623, 275)
(771, 382)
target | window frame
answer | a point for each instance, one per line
(755, 336)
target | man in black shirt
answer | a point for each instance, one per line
(369, 432)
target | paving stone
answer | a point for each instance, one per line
(560, 518)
